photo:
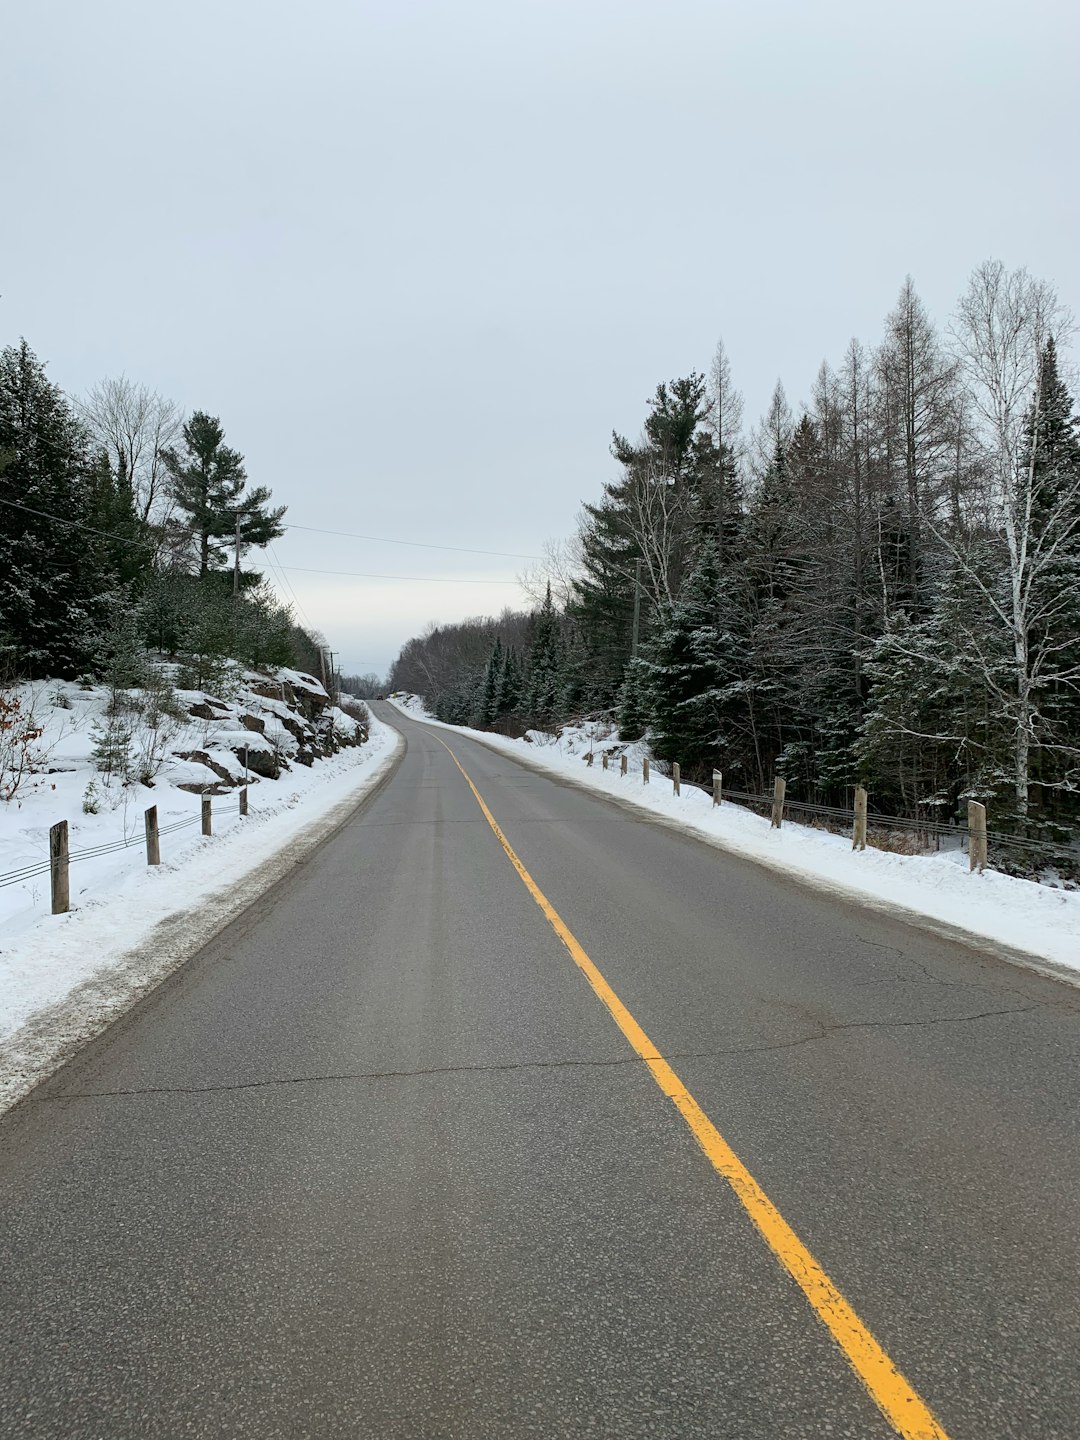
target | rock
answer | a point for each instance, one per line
(252, 722)
(266, 763)
(200, 757)
(204, 710)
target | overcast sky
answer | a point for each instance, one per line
(422, 258)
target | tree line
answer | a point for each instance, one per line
(125, 525)
(881, 586)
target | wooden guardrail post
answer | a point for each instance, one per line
(603, 760)
(588, 759)
(676, 777)
(206, 814)
(622, 764)
(645, 771)
(858, 830)
(779, 786)
(153, 843)
(717, 779)
(58, 867)
(243, 800)
(977, 836)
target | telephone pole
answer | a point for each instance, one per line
(236, 561)
(637, 607)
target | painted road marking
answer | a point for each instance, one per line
(901, 1406)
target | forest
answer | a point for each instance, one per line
(126, 528)
(880, 586)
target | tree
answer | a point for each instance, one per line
(916, 426)
(53, 573)
(682, 673)
(135, 426)
(209, 485)
(1002, 331)
(487, 700)
(725, 406)
(544, 665)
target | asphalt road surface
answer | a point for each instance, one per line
(380, 1163)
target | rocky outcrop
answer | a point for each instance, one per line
(289, 718)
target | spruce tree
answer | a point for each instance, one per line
(487, 703)
(508, 693)
(53, 570)
(545, 665)
(684, 679)
(1052, 458)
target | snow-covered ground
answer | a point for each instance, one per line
(63, 977)
(1033, 920)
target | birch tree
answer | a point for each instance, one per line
(1002, 331)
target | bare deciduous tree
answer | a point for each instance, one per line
(725, 405)
(135, 425)
(559, 568)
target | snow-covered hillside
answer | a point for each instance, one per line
(99, 758)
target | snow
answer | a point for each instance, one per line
(80, 966)
(1034, 923)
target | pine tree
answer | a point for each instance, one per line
(209, 485)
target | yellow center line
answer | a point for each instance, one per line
(902, 1407)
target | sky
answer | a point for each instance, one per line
(422, 258)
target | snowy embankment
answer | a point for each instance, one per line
(1035, 921)
(63, 977)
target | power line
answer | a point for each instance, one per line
(287, 585)
(314, 529)
(308, 570)
(75, 524)
(419, 544)
(429, 579)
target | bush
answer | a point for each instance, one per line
(20, 754)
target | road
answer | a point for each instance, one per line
(379, 1162)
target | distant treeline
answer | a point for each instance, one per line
(124, 526)
(880, 588)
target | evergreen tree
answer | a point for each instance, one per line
(633, 707)
(1052, 458)
(545, 665)
(487, 700)
(209, 485)
(508, 686)
(684, 679)
(53, 573)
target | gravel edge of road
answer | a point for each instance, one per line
(38, 1049)
(1011, 955)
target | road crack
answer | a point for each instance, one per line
(820, 1032)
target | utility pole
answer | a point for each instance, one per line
(335, 697)
(637, 607)
(236, 562)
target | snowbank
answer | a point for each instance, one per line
(1033, 920)
(63, 977)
